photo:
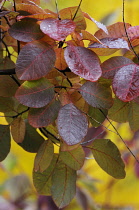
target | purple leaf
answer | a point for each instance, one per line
(26, 30)
(96, 95)
(35, 60)
(112, 65)
(42, 117)
(36, 93)
(57, 29)
(126, 82)
(83, 62)
(72, 124)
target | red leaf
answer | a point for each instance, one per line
(57, 29)
(99, 25)
(44, 116)
(96, 95)
(126, 82)
(72, 124)
(112, 65)
(36, 93)
(26, 30)
(83, 62)
(35, 60)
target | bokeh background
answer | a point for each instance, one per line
(95, 189)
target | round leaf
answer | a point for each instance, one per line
(83, 62)
(5, 141)
(126, 82)
(72, 124)
(35, 60)
(36, 93)
(57, 29)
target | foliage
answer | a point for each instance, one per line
(58, 89)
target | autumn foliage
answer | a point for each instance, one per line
(59, 87)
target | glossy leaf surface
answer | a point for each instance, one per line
(57, 29)
(108, 157)
(35, 60)
(72, 124)
(126, 83)
(36, 93)
(96, 95)
(83, 62)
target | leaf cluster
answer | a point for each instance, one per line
(59, 87)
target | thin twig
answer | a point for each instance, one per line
(127, 33)
(119, 136)
(77, 10)
(57, 9)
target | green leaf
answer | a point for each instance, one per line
(97, 95)
(18, 129)
(44, 156)
(119, 111)
(96, 116)
(5, 141)
(36, 94)
(108, 157)
(133, 116)
(6, 104)
(63, 184)
(73, 158)
(42, 180)
(32, 140)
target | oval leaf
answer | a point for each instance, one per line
(36, 93)
(72, 124)
(112, 65)
(133, 116)
(108, 157)
(35, 60)
(44, 156)
(18, 130)
(57, 29)
(83, 62)
(26, 30)
(42, 180)
(63, 184)
(73, 158)
(126, 82)
(5, 141)
(44, 116)
(97, 95)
